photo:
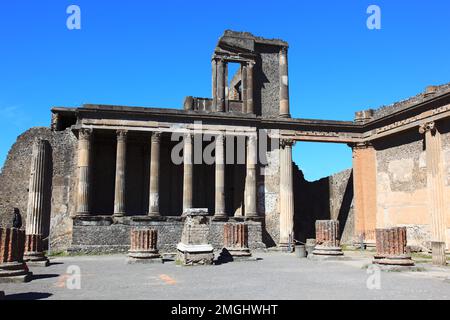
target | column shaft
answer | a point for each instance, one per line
(220, 178)
(365, 195)
(187, 173)
(250, 179)
(250, 108)
(214, 84)
(244, 87)
(154, 174)
(119, 192)
(435, 182)
(286, 193)
(84, 163)
(284, 84)
(37, 207)
(220, 86)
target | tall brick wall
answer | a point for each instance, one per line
(14, 180)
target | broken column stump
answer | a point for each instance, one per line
(194, 248)
(236, 248)
(438, 253)
(12, 266)
(391, 247)
(327, 239)
(34, 253)
(143, 246)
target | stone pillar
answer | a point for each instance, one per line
(38, 208)
(391, 247)
(284, 84)
(235, 237)
(34, 251)
(365, 192)
(143, 246)
(244, 87)
(286, 194)
(214, 83)
(119, 194)
(220, 86)
(154, 175)
(220, 178)
(436, 186)
(249, 95)
(84, 172)
(250, 179)
(12, 266)
(327, 238)
(187, 172)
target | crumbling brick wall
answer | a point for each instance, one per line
(14, 182)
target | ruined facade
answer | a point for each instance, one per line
(115, 168)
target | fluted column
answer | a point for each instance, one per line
(250, 179)
(119, 194)
(37, 207)
(84, 164)
(187, 172)
(220, 86)
(435, 182)
(220, 177)
(154, 175)
(249, 82)
(284, 84)
(286, 192)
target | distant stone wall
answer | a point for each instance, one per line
(327, 198)
(14, 180)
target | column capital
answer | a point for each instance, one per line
(286, 142)
(156, 137)
(85, 134)
(427, 126)
(122, 135)
(360, 145)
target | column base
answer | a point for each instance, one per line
(402, 260)
(235, 255)
(14, 272)
(147, 256)
(328, 251)
(37, 259)
(287, 115)
(220, 217)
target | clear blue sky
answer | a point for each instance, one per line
(153, 53)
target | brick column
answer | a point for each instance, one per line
(235, 237)
(327, 238)
(84, 172)
(154, 175)
(220, 178)
(119, 193)
(250, 179)
(365, 191)
(436, 189)
(284, 84)
(286, 193)
(12, 267)
(187, 172)
(143, 246)
(391, 247)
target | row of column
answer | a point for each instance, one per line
(84, 164)
(219, 84)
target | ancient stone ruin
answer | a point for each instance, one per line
(235, 243)
(391, 246)
(327, 239)
(12, 266)
(100, 170)
(194, 248)
(143, 248)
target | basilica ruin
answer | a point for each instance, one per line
(100, 170)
